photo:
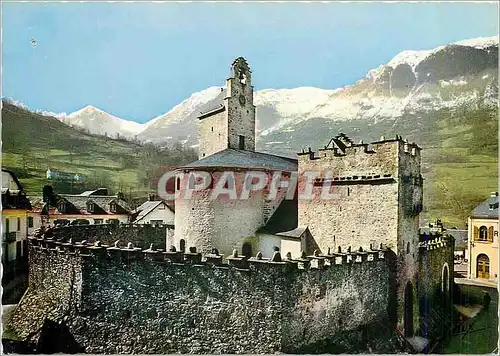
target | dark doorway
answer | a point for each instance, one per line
(18, 250)
(408, 313)
(182, 245)
(446, 282)
(25, 250)
(241, 143)
(5, 253)
(247, 249)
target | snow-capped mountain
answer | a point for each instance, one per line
(180, 123)
(413, 84)
(99, 122)
(462, 73)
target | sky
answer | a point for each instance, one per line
(138, 60)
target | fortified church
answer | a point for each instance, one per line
(379, 190)
(262, 274)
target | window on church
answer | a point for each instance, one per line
(241, 143)
(212, 129)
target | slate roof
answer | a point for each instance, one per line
(213, 106)
(231, 158)
(78, 204)
(487, 209)
(460, 237)
(284, 218)
(295, 233)
(148, 207)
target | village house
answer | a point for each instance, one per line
(154, 212)
(483, 240)
(90, 207)
(15, 220)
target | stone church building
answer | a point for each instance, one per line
(227, 144)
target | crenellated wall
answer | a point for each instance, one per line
(139, 235)
(146, 301)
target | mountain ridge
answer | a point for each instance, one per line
(389, 90)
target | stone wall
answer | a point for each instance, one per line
(213, 134)
(221, 223)
(435, 284)
(139, 235)
(137, 301)
(409, 207)
(367, 208)
(54, 291)
(379, 190)
(240, 115)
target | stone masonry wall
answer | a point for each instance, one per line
(221, 223)
(54, 290)
(367, 209)
(409, 208)
(139, 235)
(133, 301)
(435, 291)
(379, 192)
(213, 134)
(240, 117)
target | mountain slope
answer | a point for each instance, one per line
(97, 121)
(181, 122)
(32, 143)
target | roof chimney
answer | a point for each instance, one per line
(48, 194)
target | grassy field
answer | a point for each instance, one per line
(460, 164)
(32, 143)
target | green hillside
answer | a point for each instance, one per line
(31, 143)
(460, 163)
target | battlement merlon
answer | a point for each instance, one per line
(345, 158)
(435, 241)
(116, 254)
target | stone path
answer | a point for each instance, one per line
(476, 282)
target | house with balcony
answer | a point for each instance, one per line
(483, 240)
(15, 222)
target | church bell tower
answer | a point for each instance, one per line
(240, 108)
(230, 123)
